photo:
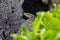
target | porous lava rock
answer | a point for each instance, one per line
(10, 17)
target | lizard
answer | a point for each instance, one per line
(27, 22)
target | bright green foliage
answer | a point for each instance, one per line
(45, 27)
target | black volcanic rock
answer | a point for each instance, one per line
(10, 17)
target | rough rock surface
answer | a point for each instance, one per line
(10, 17)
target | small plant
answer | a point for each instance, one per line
(45, 27)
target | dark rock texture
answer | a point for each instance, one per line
(10, 17)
